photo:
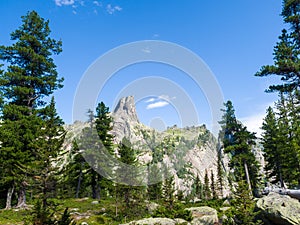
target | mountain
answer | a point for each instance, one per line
(186, 152)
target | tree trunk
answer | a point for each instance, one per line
(10, 192)
(247, 175)
(22, 197)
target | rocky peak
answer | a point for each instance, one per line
(126, 110)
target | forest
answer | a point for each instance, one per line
(41, 183)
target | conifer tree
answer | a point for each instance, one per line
(286, 51)
(207, 191)
(238, 142)
(169, 193)
(198, 187)
(48, 146)
(154, 190)
(220, 175)
(30, 76)
(272, 153)
(75, 178)
(103, 125)
(213, 185)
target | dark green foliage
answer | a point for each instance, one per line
(169, 193)
(281, 140)
(45, 216)
(213, 185)
(131, 197)
(75, 181)
(66, 219)
(198, 187)
(104, 126)
(154, 189)
(286, 51)
(30, 76)
(243, 207)
(220, 175)
(238, 142)
(48, 147)
(272, 153)
(178, 211)
(207, 190)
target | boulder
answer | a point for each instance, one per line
(203, 215)
(156, 221)
(279, 209)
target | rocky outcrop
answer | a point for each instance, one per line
(186, 152)
(157, 221)
(279, 209)
(203, 215)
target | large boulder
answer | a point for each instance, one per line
(156, 221)
(203, 215)
(279, 209)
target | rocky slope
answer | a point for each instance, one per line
(186, 152)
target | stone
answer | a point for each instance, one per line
(279, 209)
(95, 202)
(203, 215)
(155, 221)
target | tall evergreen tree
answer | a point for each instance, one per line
(48, 146)
(220, 175)
(286, 51)
(103, 122)
(154, 190)
(238, 142)
(169, 193)
(207, 190)
(30, 76)
(272, 153)
(213, 185)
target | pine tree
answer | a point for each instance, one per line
(243, 206)
(207, 191)
(154, 188)
(103, 125)
(75, 179)
(238, 142)
(91, 147)
(30, 76)
(213, 185)
(48, 146)
(272, 153)
(169, 193)
(131, 195)
(220, 175)
(198, 187)
(286, 51)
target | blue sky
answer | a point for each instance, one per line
(234, 38)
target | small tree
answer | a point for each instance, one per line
(207, 191)
(212, 185)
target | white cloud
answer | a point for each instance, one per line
(157, 105)
(64, 2)
(112, 9)
(97, 3)
(254, 123)
(166, 97)
(150, 100)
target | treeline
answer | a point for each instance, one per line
(32, 136)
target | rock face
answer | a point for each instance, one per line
(186, 152)
(203, 215)
(280, 209)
